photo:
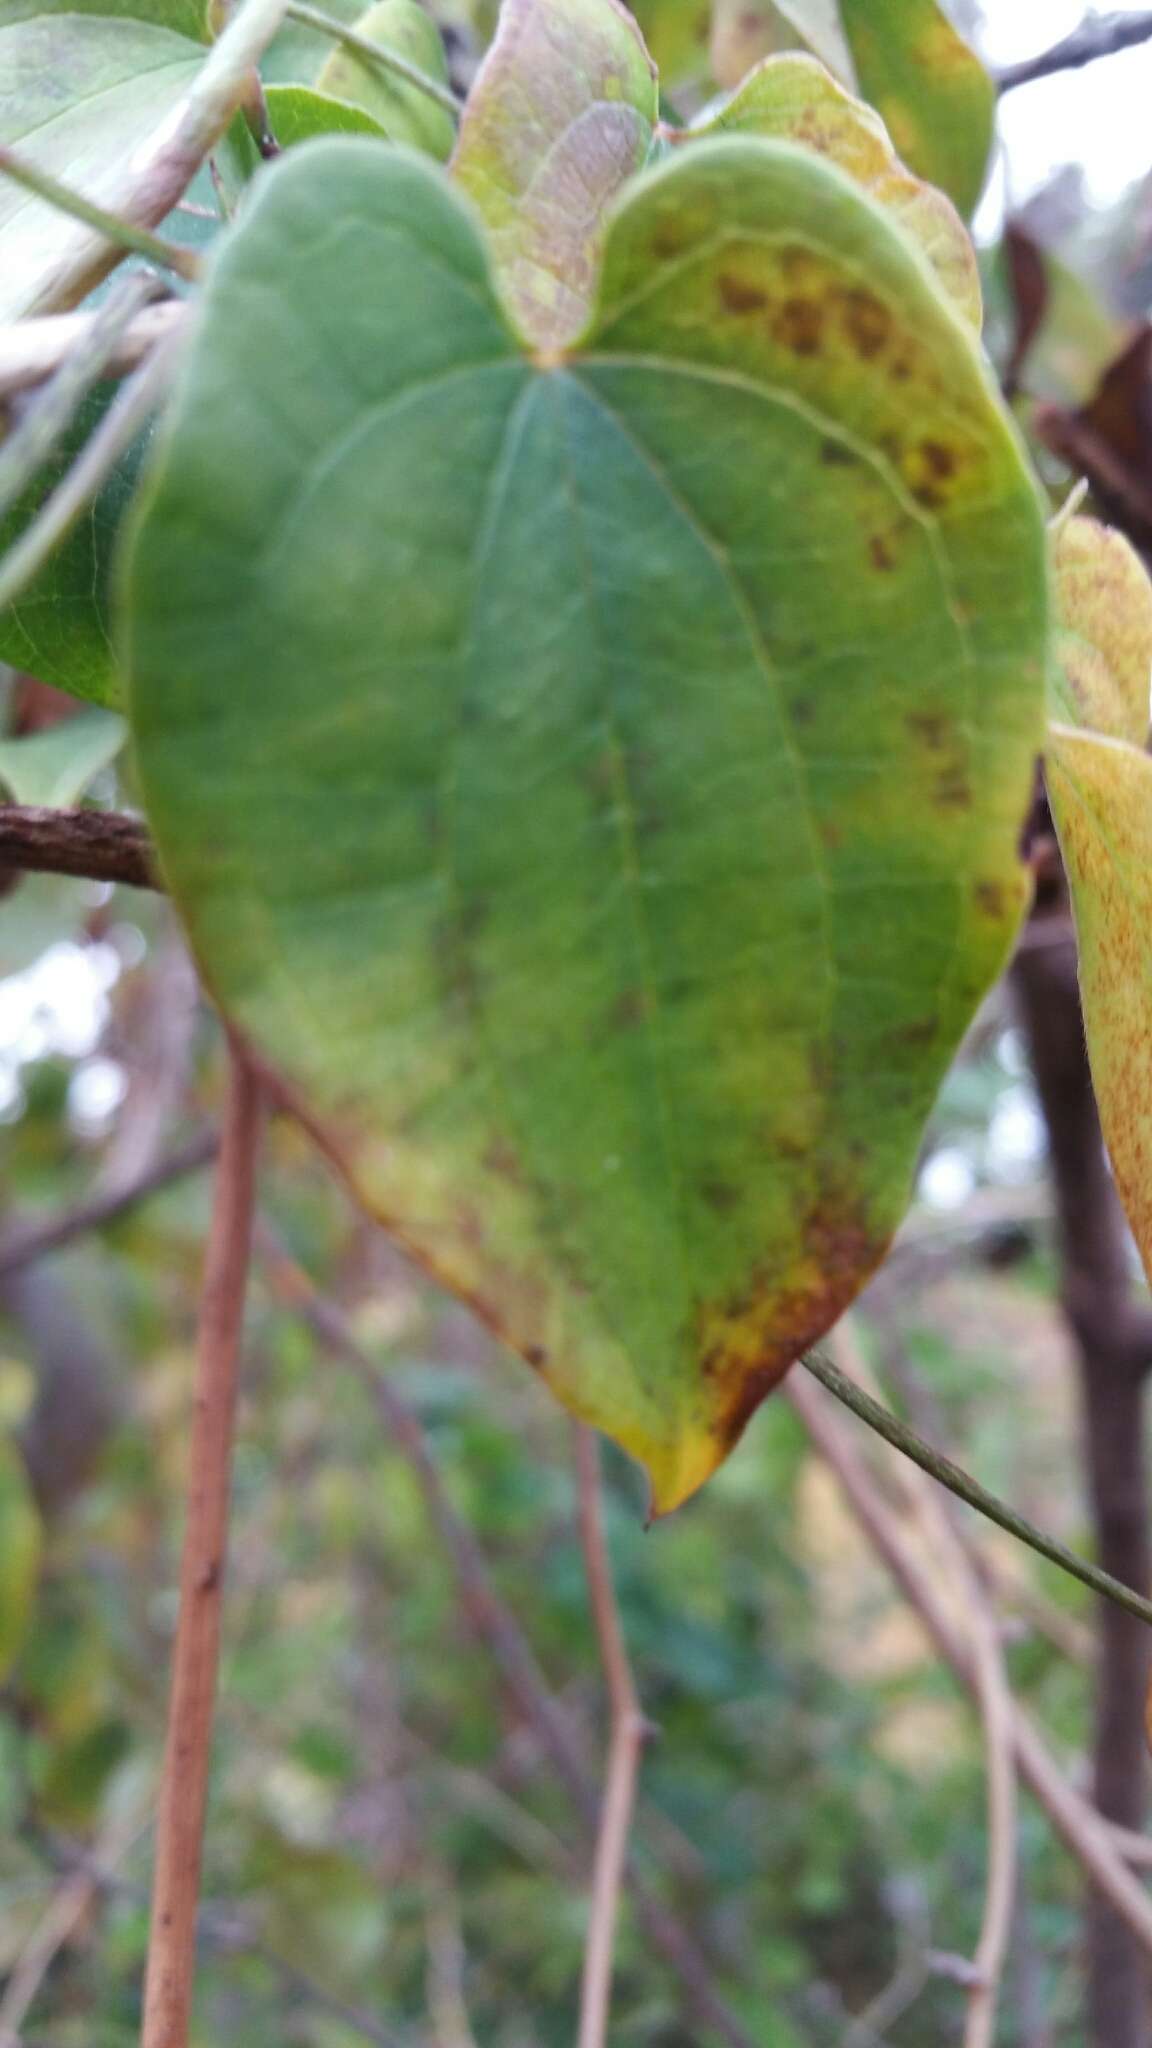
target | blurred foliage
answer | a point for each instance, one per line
(383, 1822)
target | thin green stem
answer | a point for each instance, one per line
(373, 53)
(136, 240)
(124, 419)
(53, 410)
(957, 1481)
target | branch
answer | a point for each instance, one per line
(31, 350)
(123, 234)
(373, 53)
(27, 1242)
(1105, 35)
(968, 1489)
(158, 174)
(1079, 1825)
(48, 417)
(494, 1622)
(99, 846)
(129, 412)
(184, 1785)
(628, 1729)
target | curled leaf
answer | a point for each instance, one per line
(561, 115)
(1100, 790)
(795, 99)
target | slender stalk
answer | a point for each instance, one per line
(626, 1743)
(497, 1626)
(31, 350)
(158, 174)
(33, 439)
(128, 413)
(967, 1489)
(1102, 36)
(23, 1243)
(131, 240)
(1079, 1825)
(994, 1700)
(374, 53)
(184, 1786)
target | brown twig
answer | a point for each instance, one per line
(994, 1700)
(184, 1786)
(626, 1743)
(25, 1243)
(1105, 35)
(495, 1624)
(97, 846)
(1078, 1824)
(32, 350)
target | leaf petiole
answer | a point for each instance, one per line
(942, 1469)
(373, 53)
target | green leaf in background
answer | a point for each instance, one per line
(57, 766)
(297, 113)
(59, 628)
(1100, 791)
(937, 101)
(561, 115)
(595, 785)
(1104, 645)
(676, 33)
(181, 17)
(82, 93)
(795, 99)
(20, 1550)
(902, 56)
(401, 110)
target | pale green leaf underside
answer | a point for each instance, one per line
(81, 94)
(57, 766)
(596, 789)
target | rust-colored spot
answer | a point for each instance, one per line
(502, 1159)
(535, 1356)
(990, 898)
(939, 459)
(669, 240)
(629, 1010)
(718, 1195)
(880, 553)
(747, 1344)
(953, 791)
(933, 728)
(799, 325)
(910, 1037)
(831, 835)
(867, 322)
(739, 294)
(837, 454)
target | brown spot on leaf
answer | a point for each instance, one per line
(718, 1195)
(535, 1356)
(740, 294)
(933, 728)
(867, 323)
(880, 553)
(747, 1344)
(629, 1010)
(990, 898)
(837, 453)
(799, 325)
(952, 790)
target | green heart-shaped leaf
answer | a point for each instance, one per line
(595, 784)
(561, 115)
